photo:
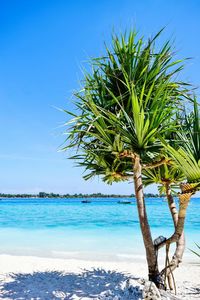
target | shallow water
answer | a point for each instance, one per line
(102, 229)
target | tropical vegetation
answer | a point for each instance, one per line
(76, 195)
(130, 123)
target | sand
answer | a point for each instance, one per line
(31, 278)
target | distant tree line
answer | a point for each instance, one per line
(80, 195)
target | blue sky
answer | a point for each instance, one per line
(43, 46)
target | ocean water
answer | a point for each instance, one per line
(102, 229)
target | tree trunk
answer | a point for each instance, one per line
(171, 204)
(187, 190)
(151, 255)
(184, 199)
(180, 245)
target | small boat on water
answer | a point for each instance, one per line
(124, 202)
(85, 201)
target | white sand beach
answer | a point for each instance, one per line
(29, 277)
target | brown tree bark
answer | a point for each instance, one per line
(180, 245)
(187, 190)
(151, 255)
(184, 198)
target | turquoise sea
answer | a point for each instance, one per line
(102, 229)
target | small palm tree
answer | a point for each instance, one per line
(128, 101)
(168, 177)
(187, 160)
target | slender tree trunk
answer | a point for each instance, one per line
(180, 245)
(187, 190)
(145, 228)
(184, 199)
(171, 204)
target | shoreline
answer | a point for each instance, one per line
(30, 264)
(97, 256)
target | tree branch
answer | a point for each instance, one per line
(184, 199)
(161, 162)
(128, 154)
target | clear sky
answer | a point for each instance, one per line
(43, 46)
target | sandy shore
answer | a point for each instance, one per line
(51, 278)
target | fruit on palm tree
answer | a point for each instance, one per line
(127, 102)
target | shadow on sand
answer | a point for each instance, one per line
(57, 285)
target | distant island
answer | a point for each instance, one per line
(53, 195)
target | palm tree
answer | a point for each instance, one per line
(185, 170)
(168, 177)
(187, 160)
(128, 101)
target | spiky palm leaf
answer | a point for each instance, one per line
(110, 168)
(187, 156)
(195, 252)
(163, 174)
(130, 97)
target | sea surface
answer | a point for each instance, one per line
(100, 230)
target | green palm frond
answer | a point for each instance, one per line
(187, 163)
(195, 252)
(129, 98)
(162, 174)
(193, 131)
(110, 168)
(187, 156)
